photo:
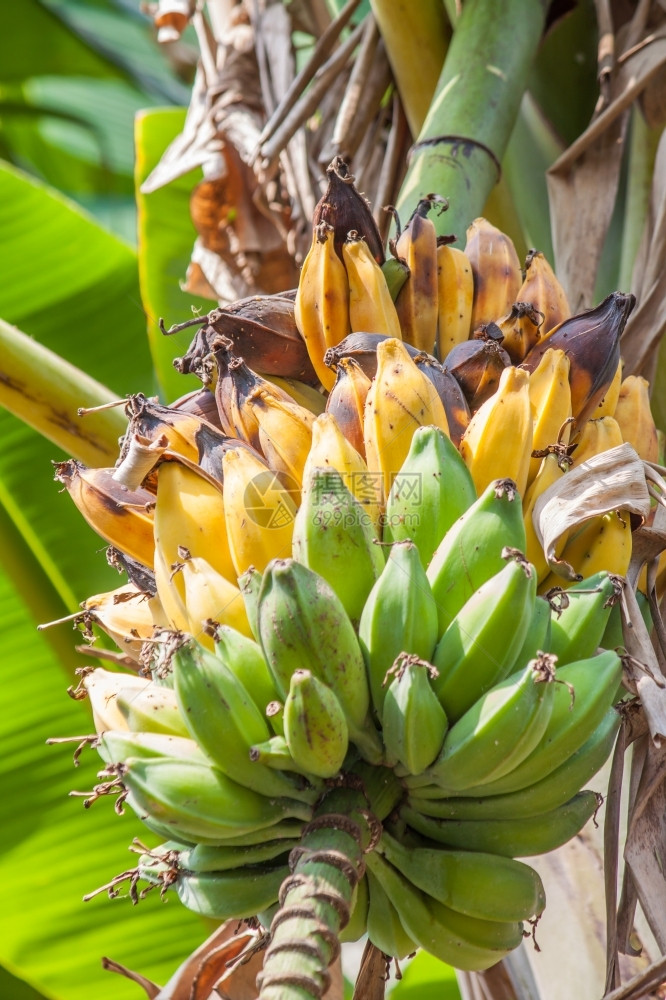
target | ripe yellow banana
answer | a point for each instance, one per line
(400, 399)
(634, 417)
(498, 441)
(496, 270)
(371, 308)
(550, 396)
(189, 512)
(122, 517)
(543, 290)
(455, 296)
(235, 388)
(125, 615)
(520, 330)
(331, 450)
(602, 543)
(258, 510)
(211, 597)
(321, 308)
(284, 431)
(416, 303)
(595, 437)
(346, 401)
(551, 470)
(300, 392)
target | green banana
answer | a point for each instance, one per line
(613, 637)
(499, 731)
(471, 550)
(480, 647)
(230, 895)
(274, 753)
(414, 722)
(579, 705)
(116, 745)
(315, 727)
(221, 857)
(577, 630)
(384, 927)
(537, 635)
(225, 722)
(250, 586)
(551, 792)
(431, 491)
(358, 917)
(335, 537)
(399, 617)
(198, 803)
(285, 829)
(511, 838)
(396, 273)
(244, 659)
(481, 885)
(153, 710)
(465, 942)
(302, 621)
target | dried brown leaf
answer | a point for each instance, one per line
(372, 976)
(613, 480)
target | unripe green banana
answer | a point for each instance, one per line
(221, 857)
(499, 731)
(250, 586)
(315, 727)
(471, 550)
(551, 792)
(302, 621)
(230, 895)
(400, 616)
(285, 829)
(537, 636)
(510, 838)
(384, 927)
(481, 885)
(577, 630)
(197, 803)
(465, 942)
(396, 273)
(274, 753)
(431, 491)
(115, 746)
(481, 645)
(579, 705)
(225, 722)
(153, 710)
(244, 659)
(358, 918)
(334, 536)
(414, 722)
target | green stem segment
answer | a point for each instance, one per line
(315, 901)
(463, 139)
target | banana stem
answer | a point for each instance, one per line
(316, 899)
(46, 392)
(463, 139)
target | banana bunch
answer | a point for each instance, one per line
(347, 637)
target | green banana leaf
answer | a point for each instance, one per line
(426, 978)
(166, 237)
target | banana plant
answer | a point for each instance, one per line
(499, 122)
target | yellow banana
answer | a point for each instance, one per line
(371, 308)
(400, 399)
(543, 290)
(125, 615)
(171, 593)
(416, 303)
(550, 396)
(346, 401)
(189, 512)
(120, 516)
(498, 441)
(496, 270)
(321, 308)
(635, 419)
(259, 511)
(284, 432)
(211, 597)
(237, 385)
(595, 437)
(602, 543)
(455, 296)
(300, 392)
(331, 450)
(551, 470)
(607, 404)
